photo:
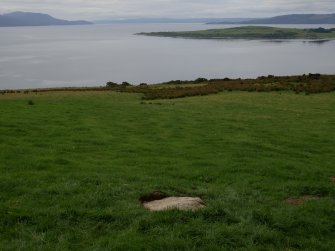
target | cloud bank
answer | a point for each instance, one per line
(101, 9)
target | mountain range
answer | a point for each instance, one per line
(34, 19)
(290, 19)
(170, 20)
(40, 19)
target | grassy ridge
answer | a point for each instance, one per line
(73, 165)
(311, 83)
(250, 32)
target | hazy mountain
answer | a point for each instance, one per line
(171, 20)
(34, 19)
(294, 19)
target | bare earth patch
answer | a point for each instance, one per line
(180, 203)
(332, 179)
(159, 201)
(300, 200)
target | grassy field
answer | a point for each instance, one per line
(251, 32)
(74, 164)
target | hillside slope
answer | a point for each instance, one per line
(34, 19)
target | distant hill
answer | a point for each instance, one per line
(293, 19)
(34, 19)
(171, 20)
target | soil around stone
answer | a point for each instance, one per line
(300, 200)
(157, 195)
(159, 201)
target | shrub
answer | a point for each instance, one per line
(30, 102)
(200, 80)
(320, 30)
(125, 84)
(314, 76)
(111, 84)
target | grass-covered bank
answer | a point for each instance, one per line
(73, 165)
(250, 32)
(308, 84)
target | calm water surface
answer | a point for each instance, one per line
(92, 55)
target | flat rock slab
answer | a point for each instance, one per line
(180, 203)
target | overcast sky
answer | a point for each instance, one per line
(101, 9)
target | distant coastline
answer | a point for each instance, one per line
(18, 19)
(288, 19)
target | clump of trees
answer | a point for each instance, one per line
(321, 30)
(111, 84)
(201, 80)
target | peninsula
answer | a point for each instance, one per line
(251, 32)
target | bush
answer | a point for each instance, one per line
(111, 84)
(30, 102)
(200, 80)
(321, 30)
(125, 84)
(314, 76)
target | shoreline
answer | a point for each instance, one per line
(306, 83)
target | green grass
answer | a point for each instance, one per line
(74, 164)
(251, 32)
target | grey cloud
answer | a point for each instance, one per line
(89, 9)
